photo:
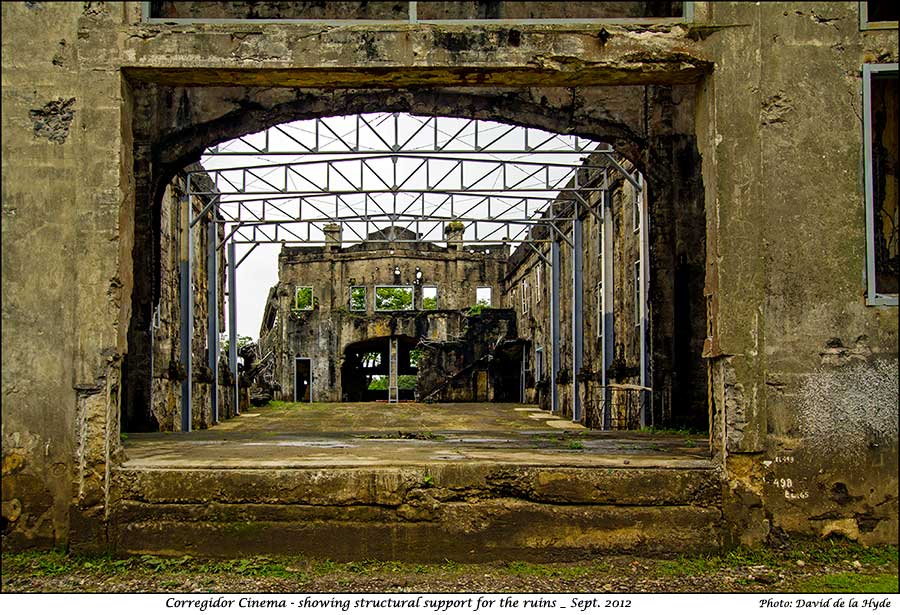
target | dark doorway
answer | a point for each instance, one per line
(366, 371)
(303, 380)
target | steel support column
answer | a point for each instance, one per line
(609, 332)
(647, 396)
(577, 314)
(186, 297)
(232, 324)
(554, 323)
(212, 317)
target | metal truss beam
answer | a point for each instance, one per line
(386, 174)
(389, 133)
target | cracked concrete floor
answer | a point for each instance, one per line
(377, 434)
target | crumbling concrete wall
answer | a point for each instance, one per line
(798, 360)
(480, 364)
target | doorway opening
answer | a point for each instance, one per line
(303, 380)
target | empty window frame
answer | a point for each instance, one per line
(637, 293)
(524, 296)
(393, 298)
(483, 296)
(598, 309)
(303, 298)
(878, 15)
(538, 364)
(538, 285)
(880, 85)
(429, 298)
(357, 298)
(636, 203)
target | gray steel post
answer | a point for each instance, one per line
(232, 324)
(577, 313)
(609, 332)
(554, 323)
(212, 318)
(186, 297)
(647, 415)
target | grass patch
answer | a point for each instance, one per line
(679, 431)
(576, 445)
(839, 551)
(560, 571)
(690, 566)
(849, 583)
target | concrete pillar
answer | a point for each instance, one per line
(454, 233)
(332, 236)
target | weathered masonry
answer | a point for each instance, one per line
(341, 316)
(765, 134)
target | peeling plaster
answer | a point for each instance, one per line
(847, 409)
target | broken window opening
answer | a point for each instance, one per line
(303, 299)
(414, 356)
(880, 85)
(429, 297)
(357, 298)
(483, 296)
(878, 15)
(524, 296)
(598, 311)
(393, 298)
(537, 281)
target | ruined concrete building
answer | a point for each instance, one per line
(341, 316)
(729, 263)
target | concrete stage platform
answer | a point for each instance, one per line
(465, 482)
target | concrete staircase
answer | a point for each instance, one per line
(460, 511)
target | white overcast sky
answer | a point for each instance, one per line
(259, 272)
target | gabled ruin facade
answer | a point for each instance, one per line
(334, 307)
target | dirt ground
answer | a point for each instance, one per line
(811, 566)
